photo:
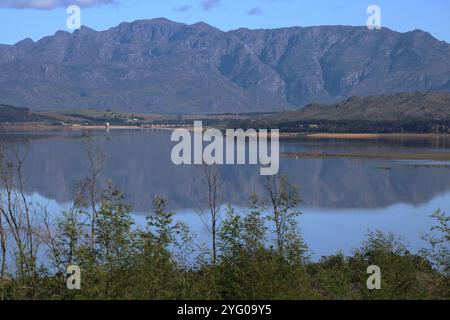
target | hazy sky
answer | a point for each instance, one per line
(20, 19)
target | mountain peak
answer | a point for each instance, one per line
(85, 30)
(61, 34)
(27, 42)
(144, 23)
(204, 26)
(160, 20)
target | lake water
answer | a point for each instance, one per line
(342, 198)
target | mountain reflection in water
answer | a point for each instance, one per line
(139, 163)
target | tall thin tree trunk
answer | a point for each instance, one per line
(96, 160)
(213, 183)
(30, 252)
(2, 246)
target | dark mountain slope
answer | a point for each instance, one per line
(403, 107)
(432, 106)
(14, 114)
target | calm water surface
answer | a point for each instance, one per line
(342, 198)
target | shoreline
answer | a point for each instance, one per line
(437, 156)
(357, 136)
(30, 127)
(65, 128)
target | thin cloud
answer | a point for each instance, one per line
(182, 8)
(257, 11)
(51, 4)
(210, 4)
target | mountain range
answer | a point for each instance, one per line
(168, 67)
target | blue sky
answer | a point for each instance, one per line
(35, 19)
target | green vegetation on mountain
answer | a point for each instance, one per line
(425, 106)
(420, 112)
(14, 114)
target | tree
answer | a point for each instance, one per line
(438, 252)
(403, 275)
(113, 239)
(91, 187)
(16, 218)
(3, 236)
(213, 220)
(439, 241)
(285, 201)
